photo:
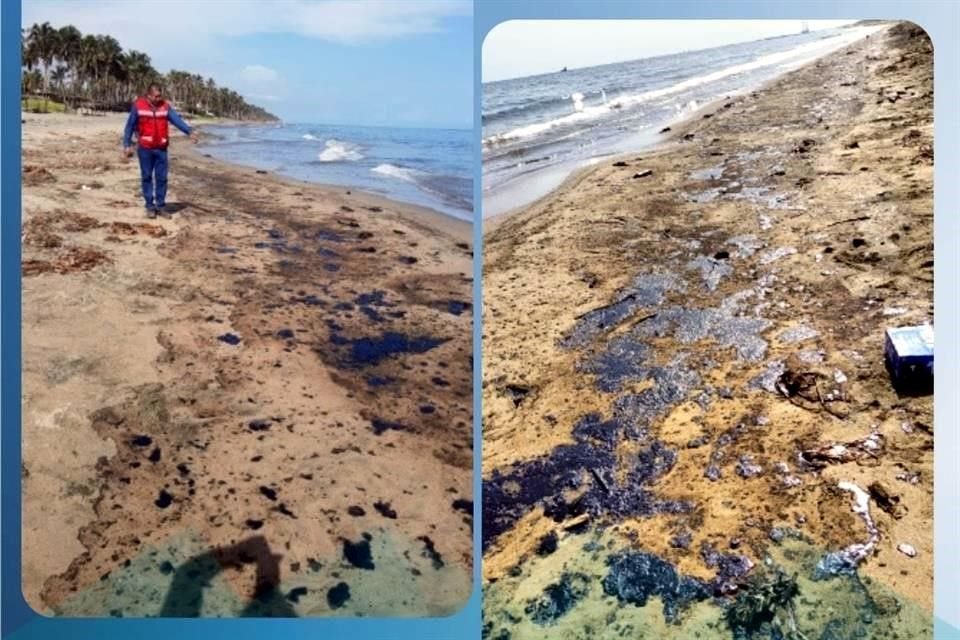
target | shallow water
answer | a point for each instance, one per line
(427, 167)
(569, 595)
(535, 133)
(387, 575)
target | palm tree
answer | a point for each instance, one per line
(210, 96)
(139, 71)
(97, 68)
(32, 82)
(43, 41)
(57, 77)
(109, 65)
(198, 87)
(28, 52)
(87, 64)
(68, 51)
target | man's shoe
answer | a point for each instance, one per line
(151, 213)
(162, 210)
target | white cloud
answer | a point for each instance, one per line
(259, 74)
(350, 21)
(192, 23)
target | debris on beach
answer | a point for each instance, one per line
(767, 598)
(33, 175)
(908, 355)
(69, 260)
(887, 500)
(867, 448)
(128, 229)
(849, 558)
(40, 238)
(814, 390)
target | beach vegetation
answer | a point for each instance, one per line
(93, 72)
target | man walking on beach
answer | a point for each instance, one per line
(150, 115)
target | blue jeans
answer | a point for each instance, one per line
(153, 170)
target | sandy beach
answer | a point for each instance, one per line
(260, 405)
(676, 342)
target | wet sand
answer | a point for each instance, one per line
(260, 405)
(673, 339)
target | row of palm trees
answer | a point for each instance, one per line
(88, 70)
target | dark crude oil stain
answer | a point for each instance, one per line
(358, 554)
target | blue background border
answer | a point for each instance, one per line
(940, 18)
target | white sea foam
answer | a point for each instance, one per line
(793, 57)
(308, 136)
(393, 171)
(577, 102)
(337, 151)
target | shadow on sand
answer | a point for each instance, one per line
(184, 598)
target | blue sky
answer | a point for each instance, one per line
(401, 63)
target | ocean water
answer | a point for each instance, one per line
(427, 167)
(538, 129)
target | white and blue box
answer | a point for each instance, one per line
(908, 352)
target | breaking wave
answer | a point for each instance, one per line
(337, 151)
(393, 171)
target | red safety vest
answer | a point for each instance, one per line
(152, 125)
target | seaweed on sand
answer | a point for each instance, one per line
(764, 607)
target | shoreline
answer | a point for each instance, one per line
(420, 211)
(277, 365)
(424, 216)
(662, 141)
(621, 314)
